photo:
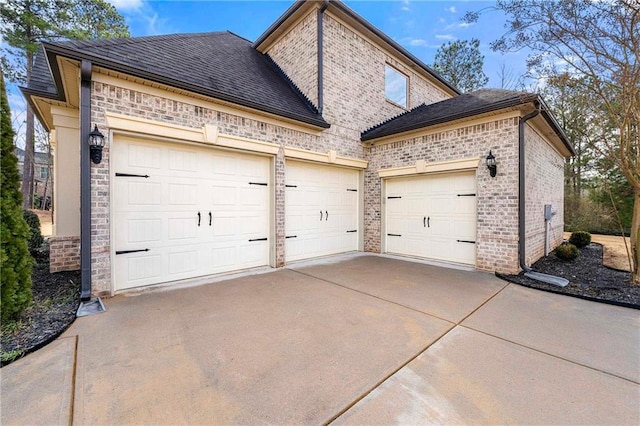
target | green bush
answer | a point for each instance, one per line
(567, 251)
(580, 239)
(36, 239)
(15, 260)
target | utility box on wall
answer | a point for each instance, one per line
(548, 214)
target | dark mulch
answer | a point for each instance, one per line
(588, 278)
(55, 301)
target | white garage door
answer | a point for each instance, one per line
(432, 217)
(321, 210)
(184, 211)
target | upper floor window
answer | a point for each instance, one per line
(395, 86)
(44, 172)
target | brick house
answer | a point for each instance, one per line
(323, 136)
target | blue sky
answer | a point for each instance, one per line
(420, 26)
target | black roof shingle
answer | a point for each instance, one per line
(467, 105)
(218, 64)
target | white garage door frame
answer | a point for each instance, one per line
(425, 170)
(264, 150)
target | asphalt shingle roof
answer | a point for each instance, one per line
(41, 79)
(467, 105)
(218, 64)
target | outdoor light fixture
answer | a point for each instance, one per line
(491, 164)
(96, 142)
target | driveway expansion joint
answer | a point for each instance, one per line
(550, 354)
(374, 296)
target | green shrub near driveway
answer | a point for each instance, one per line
(567, 251)
(15, 260)
(580, 239)
(36, 239)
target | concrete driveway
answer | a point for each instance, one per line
(362, 340)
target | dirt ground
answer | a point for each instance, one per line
(615, 254)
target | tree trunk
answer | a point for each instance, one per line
(635, 237)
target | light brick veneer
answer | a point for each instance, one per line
(545, 185)
(64, 254)
(497, 198)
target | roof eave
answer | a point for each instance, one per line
(553, 123)
(115, 66)
(281, 20)
(366, 136)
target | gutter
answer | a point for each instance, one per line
(320, 37)
(85, 181)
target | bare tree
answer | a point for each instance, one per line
(597, 40)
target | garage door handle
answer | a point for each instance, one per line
(327, 215)
(428, 224)
(424, 222)
(198, 218)
(210, 218)
(320, 215)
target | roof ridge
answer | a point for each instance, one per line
(290, 82)
(372, 128)
(159, 37)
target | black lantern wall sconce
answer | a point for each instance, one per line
(491, 164)
(96, 143)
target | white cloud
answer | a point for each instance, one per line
(405, 6)
(451, 9)
(417, 42)
(465, 24)
(445, 37)
(127, 5)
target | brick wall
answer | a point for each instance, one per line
(497, 198)
(64, 254)
(354, 80)
(297, 54)
(137, 103)
(545, 185)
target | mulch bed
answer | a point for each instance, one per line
(588, 278)
(56, 298)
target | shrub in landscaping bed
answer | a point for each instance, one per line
(580, 239)
(567, 252)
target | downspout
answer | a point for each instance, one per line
(528, 272)
(85, 181)
(320, 55)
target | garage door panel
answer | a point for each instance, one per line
(182, 228)
(144, 230)
(141, 269)
(183, 161)
(143, 193)
(447, 201)
(145, 156)
(183, 194)
(160, 212)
